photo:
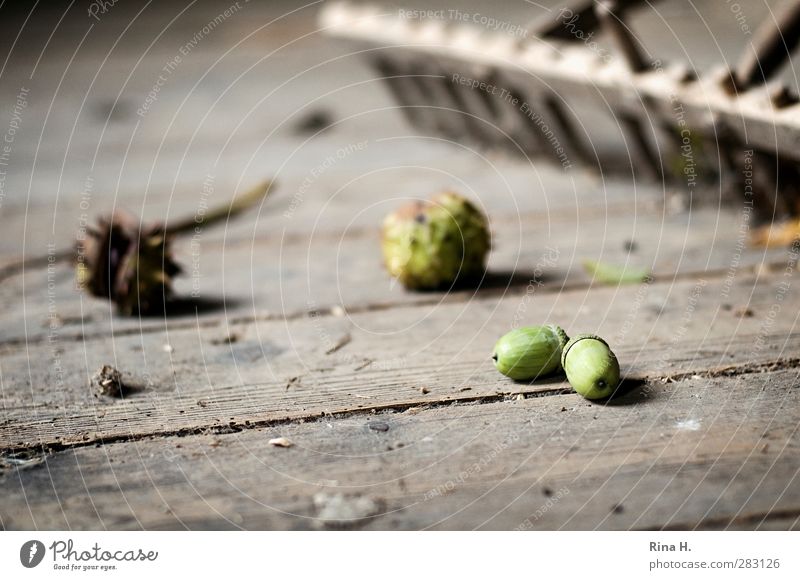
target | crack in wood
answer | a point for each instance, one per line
(629, 385)
(236, 427)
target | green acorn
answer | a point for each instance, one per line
(592, 369)
(530, 352)
(434, 244)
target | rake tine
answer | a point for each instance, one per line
(765, 185)
(569, 131)
(432, 85)
(581, 13)
(643, 154)
(611, 17)
(404, 92)
(781, 96)
(473, 109)
(512, 132)
(773, 42)
(789, 183)
(510, 118)
(540, 126)
(485, 107)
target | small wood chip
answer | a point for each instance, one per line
(424, 390)
(280, 442)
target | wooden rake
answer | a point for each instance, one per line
(734, 131)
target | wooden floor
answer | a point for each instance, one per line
(396, 417)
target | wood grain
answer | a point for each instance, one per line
(193, 378)
(284, 275)
(700, 453)
(397, 418)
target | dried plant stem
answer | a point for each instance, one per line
(238, 205)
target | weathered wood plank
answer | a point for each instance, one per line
(285, 275)
(192, 378)
(227, 113)
(699, 453)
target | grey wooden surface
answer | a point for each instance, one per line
(397, 418)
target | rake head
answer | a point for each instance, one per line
(529, 94)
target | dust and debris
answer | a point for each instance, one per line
(364, 364)
(743, 312)
(677, 203)
(520, 397)
(54, 321)
(630, 245)
(230, 338)
(618, 508)
(340, 511)
(108, 381)
(21, 459)
(424, 390)
(342, 342)
(314, 122)
(280, 442)
(168, 348)
(338, 311)
(379, 426)
(292, 382)
(688, 425)
(761, 269)
(203, 403)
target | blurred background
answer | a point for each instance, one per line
(165, 109)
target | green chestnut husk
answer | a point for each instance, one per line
(591, 367)
(530, 352)
(436, 244)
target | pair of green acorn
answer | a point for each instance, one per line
(532, 352)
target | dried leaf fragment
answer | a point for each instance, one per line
(776, 235)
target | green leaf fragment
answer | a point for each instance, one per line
(614, 274)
